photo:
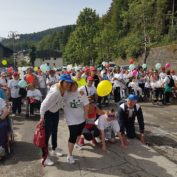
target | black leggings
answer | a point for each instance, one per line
(37, 105)
(16, 105)
(117, 94)
(51, 128)
(75, 131)
(91, 133)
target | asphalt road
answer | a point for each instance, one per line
(157, 159)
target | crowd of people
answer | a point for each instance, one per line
(87, 114)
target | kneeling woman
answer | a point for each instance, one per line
(76, 108)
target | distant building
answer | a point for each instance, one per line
(57, 61)
(5, 52)
(49, 56)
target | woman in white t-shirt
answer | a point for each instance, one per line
(14, 94)
(76, 107)
(42, 83)
(34, 97)
(52, 79)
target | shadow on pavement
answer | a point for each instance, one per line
(134, 161)
(22, 152)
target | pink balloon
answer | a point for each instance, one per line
(134, 72)
(167, 65)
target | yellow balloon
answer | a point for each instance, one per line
(4, 62)
(104, 88)
(35, 68)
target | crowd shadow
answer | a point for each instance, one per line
(134, 161)
(22, 152)
(160, 140)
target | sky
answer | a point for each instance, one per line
(28, 16)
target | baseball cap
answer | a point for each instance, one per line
(132, 97)
(90, 78)
(66, 77)
(15, 74)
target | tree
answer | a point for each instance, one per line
(81, 47)
(32, 55)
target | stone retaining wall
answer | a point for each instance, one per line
(163, 55)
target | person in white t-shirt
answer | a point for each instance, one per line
(162, 74)
(42, 83)
(88, 90)
(76, 108)
(14, 94)
(134, 85)
(52, 79)
(174, 76)
(3, 83)
(34, 97)
(3, 109)
(109, 127)
(118, 84)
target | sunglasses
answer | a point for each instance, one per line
(111, 115)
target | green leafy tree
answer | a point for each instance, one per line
(81, 47)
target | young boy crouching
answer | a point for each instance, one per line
(109, 128)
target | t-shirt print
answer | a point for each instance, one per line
(75, 103)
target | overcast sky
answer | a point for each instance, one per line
(28, 16)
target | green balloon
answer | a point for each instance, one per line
(158, 66)
(131, 67)
(144, 66)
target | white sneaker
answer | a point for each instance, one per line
(48, 162)
(13, 115)
(97, 139)
(57, 152)
(70, 159)
(77, 146)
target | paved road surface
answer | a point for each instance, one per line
(136, 161)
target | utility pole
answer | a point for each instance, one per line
(173, 11)
(14, 36)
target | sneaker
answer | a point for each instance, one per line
(78, 146)
(81, 142)
(70, 159)
(57, 152)
(48, 162)
(94, 142)
(13, 115)
(97, 139)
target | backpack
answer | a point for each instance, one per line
(39, 140)
(171, 83)
(39, 135)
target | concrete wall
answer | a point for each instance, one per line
(58, 62)
(163, 55)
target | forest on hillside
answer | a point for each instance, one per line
(51, 39)
(128, 29)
